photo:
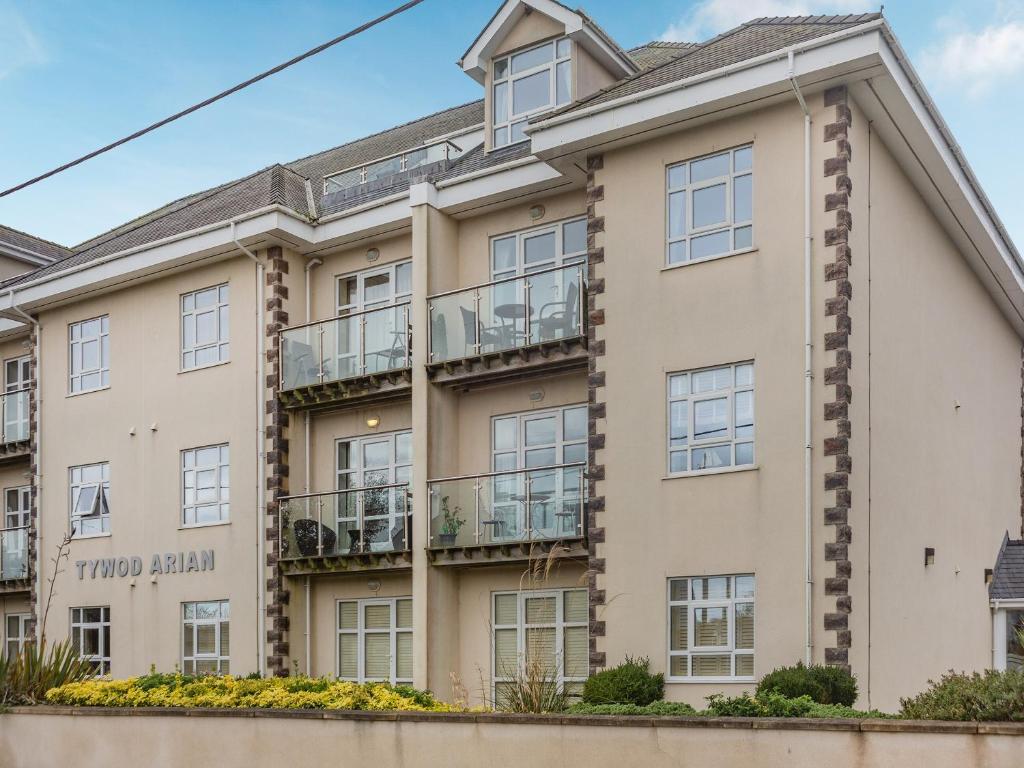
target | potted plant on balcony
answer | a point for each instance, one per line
(451, 523)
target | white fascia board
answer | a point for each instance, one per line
(10, 329)
(391, 215)
(514, 180)
(23, 254)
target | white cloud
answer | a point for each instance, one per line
(707, 18)
(976, 61)
(19, 45)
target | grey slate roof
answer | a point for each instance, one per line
(27, 242)
(1008, 574)
(657, 52)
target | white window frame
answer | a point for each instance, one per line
(1000, 631)
(21, 637)
(100, 506)
(560, 625)
(360, 633)
(521, 236)
(101, 659)
(15, 408)
(356, 473)
(21, 515)
(729, 224)
(189, 473)
(76, 340)
(509, 79)
(694, 443)
(730, 603)
(222, 321)
(394, 297)
(521, 449)
(192, 624)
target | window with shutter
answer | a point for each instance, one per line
(711, 628)
(375, 640)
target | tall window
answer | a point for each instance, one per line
(17, 506)
(374, 460)
(711, 628)
(90, 636)
(533, 250)
(205, 483)
(546, 628)
(205, 636)
(710, 206)
(375, 640)
(89, 353)
(205, 327)
(711, 418)
(90, 499)
(527, 83)
(17, 382)
(16, 632)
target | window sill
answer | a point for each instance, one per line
(203, 525)
(713, 680)
(87, 391)
(716, 471)
(87, 536)
(716, 257)
(203, 367)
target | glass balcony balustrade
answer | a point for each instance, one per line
(371, 341)
(509, 314)
(355, 521)
(13, 553)
(15, 417)
(520, 506)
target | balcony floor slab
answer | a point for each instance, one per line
(541, 359)
(341, 564)
(507, 552)
(370, 389)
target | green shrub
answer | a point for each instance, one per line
(832, 711)
(768, 705)
(958, 696)
(629, 683)
(655, 708)
(27, 675)
(824, 684)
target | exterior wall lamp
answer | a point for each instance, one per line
(929, 556)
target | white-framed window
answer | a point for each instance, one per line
(711, 418)
(527, 83)
(382, 286)
(89, 354)
(90, 499)
(205, 485)
(205, 647)
(17, 506)
(1008, 636)
(711, 628)
(543, 438)
(539, 248)
(375, 640)
(17, 383)
(544, 627)
(205, 328)
(373, 460)
(710, 206)
(90, 636)
(15, 632)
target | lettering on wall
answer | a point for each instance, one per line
(168, 562)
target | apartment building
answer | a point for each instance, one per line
(708, 352)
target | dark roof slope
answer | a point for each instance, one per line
(657, 52)
(746, 41)
(26, 242)
(1008, 575)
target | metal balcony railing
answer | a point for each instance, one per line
(362, 343)
(13, 553)
(15, 416)
(548, 305)
(526, 505)
(354, 521)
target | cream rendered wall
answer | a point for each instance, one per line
(744, 307)
(589, 76)
(348, 262)
(9, 267)
(531, 28)
(169, 411)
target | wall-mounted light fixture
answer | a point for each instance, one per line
(536, 395)
(373, 421)
(537, 212)
(988, 576)
(373, 254)
(373, 585)
(929, 556)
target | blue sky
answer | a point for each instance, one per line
(76, 75)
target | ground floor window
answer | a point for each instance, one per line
(375, 640)
(1008, 638)
(540, 634)
(205, 638)
(711, 628)
(16, 632)
(90, 636)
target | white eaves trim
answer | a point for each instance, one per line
(23, 254)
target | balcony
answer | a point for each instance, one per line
(509, 328)
(359, 358)
(356, 529)
(14, 432)
(508, 516)
(13, 558)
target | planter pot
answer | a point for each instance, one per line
(447, 539)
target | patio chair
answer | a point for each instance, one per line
(560, 319)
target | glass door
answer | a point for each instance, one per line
(368, 462)
(374, 341)
(17, 378)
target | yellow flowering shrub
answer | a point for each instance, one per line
(225, 691)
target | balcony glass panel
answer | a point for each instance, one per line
(508, 314)
(371, 341)
(357, 521)
(13, 553)
(15, 413)
(542, 504)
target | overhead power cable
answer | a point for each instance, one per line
(223, 94)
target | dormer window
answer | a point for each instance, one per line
(527, 83)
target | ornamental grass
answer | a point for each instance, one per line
(225, 691)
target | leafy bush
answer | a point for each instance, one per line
(629, 683)
(824, 684)
(655, 708)
(958, 696)
(175, 690)
(777, 705)
(26, 676)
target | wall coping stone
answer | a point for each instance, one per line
(752, 723)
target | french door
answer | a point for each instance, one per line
(372, 341)
(370, 462)
(17, 378)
